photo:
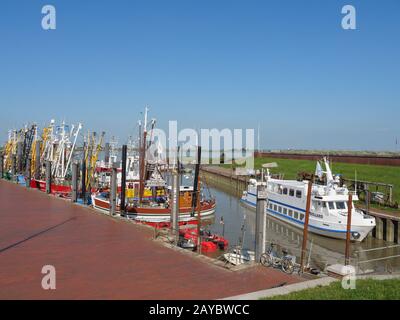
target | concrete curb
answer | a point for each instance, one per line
(380, 276)
(283, 290)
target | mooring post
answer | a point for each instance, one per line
(348, 230)
(260, 222)
(28, 175)
(74, 169)
(198, 188)
(83, 180)
(13, 166)
(175, 205)
(123, 180)
(37, 160)
(388, 232)
(48, 176)
(396, 232)
(19, 157)
(1, 165)
(113, 191)
(305, 230)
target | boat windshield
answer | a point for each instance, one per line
(330, 205)
(340, 205)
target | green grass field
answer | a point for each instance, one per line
(372, 173)
(365, 290)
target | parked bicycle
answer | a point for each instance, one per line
(272, 259)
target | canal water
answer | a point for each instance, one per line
(324, 251)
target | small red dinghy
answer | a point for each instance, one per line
(211, 242)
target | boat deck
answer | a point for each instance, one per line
(98, 257)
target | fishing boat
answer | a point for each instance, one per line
(148, 195)
(57, 146)
(286, 201)
(156, 209)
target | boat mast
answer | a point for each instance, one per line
(75, 134)
(196, 182)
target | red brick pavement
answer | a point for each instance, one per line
(97, 257)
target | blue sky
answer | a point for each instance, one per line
(286, 65)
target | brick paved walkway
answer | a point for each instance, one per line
(97, 257)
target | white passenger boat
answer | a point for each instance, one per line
(328, 212)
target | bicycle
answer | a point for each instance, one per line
(272, 259)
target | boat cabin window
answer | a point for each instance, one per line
(331, 205)
(270, 206)
(298, 194)
(284, 190)
(290, 213)
(280, 189)
(275, 207)
(291, 192)
(284, 211)
(301, 216)
(296, 215)
(340, 205)
(280, 209)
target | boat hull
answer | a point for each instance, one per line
(336, 231)
(155, 215)
(56, 189)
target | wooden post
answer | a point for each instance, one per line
(28, 173)
(37, 160)
(113, 191)
(260, 222)
(348, 231)
(142, 162)
(198, 220)
(305, 230)
(198, 202)
(48, 176)
(196, 181)
(13, 166)
(123, 179)
(19, 157)
(83, 180)
(1, 165)
(89, 166)
(74, 168)
(175, 205)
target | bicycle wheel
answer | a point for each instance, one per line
(287, 266)
(266, 260)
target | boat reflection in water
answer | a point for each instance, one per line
(325, 251)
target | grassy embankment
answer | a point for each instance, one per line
(367, 289)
